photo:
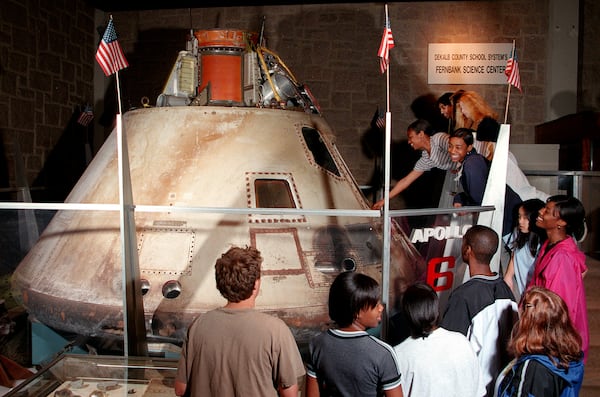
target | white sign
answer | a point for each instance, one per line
(468, 63)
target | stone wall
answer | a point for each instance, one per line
(589, 57)
(46, 70)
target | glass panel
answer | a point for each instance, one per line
(74, 375)
(76, 264)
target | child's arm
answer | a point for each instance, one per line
(291, 391)
(312, 387)
(180, 388)
(510, 271)
(395, 392)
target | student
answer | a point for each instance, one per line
(347, 361)
(473, 112)
(560, 265)
(434, 361)
(483, 308)
(547, 350)
(236, 350)
(448, 109)
(473, 171)
(477, 115)
(524, 243)
(434, 154)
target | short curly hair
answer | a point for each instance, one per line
(236, 272)
(483, 241)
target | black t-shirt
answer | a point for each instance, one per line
(488, 130)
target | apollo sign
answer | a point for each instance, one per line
(439, 233)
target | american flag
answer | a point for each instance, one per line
(110, 54)
(387, 43)
(86, 116)
(512, 70)
(380, 121)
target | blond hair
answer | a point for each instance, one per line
(479, 107)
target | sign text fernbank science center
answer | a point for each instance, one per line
(468, 63)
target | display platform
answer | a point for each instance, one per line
(73, 375)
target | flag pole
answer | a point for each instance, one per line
(118, 86)
(134, 327)
(118, 92)
(385, 282)
(387, 74)
(507, 102)
(508, 93)
(111, 59)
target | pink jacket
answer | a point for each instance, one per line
(561, 271)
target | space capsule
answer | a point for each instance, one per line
(233, 129)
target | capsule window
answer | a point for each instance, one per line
(319, 150)
(273, 193)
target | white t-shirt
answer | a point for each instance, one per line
(443, 364)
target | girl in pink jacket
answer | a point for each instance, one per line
(560, 265)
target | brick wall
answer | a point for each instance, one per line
(46, 69)
(589, 58)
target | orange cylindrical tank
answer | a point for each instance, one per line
(221, 63)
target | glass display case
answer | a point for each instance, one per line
(73, 375)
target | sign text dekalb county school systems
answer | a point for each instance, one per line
(468, 63)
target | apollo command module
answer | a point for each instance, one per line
(233, 128)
